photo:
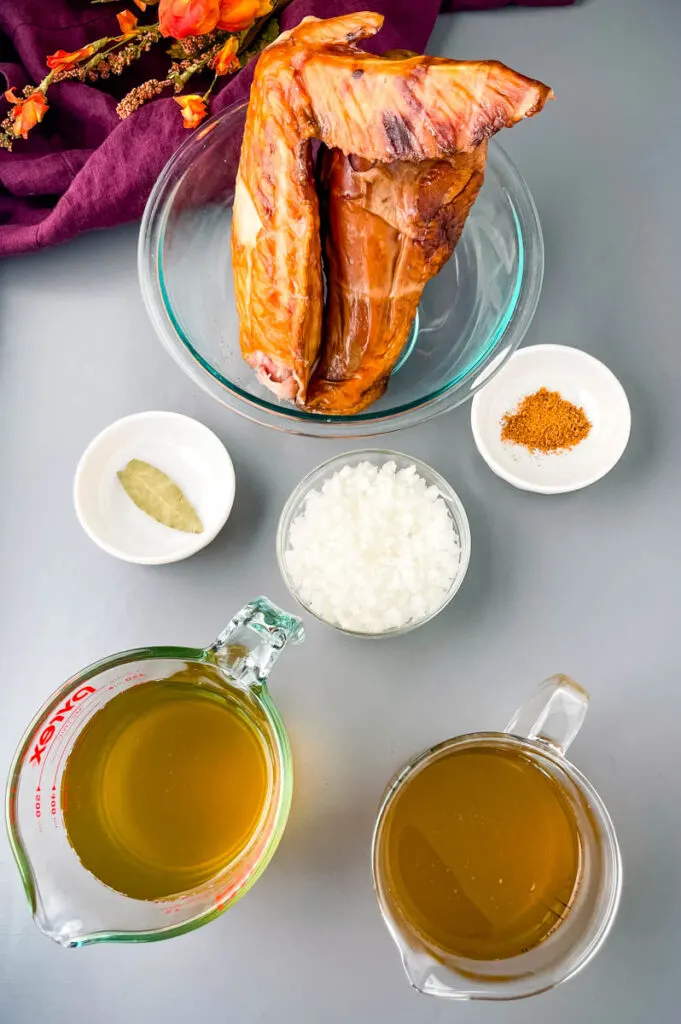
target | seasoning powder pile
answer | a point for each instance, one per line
(545, 422)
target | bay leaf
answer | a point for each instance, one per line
(156, 494)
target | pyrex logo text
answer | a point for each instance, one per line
(50, 729)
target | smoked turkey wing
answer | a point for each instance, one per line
(389, 228)
(313, 82)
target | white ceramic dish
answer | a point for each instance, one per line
(187, 451)
(581, 379)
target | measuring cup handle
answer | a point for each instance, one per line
(553, 714)
(248, 647)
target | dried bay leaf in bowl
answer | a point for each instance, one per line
(156, 494)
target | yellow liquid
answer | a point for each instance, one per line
(481, 853)
(164, 787)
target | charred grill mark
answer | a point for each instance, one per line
(399, 136)
(496, 120)
(445, 136)
(486, 131)
(500, 120)
(478, 136)
(413, 104)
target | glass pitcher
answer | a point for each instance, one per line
(542, 730)
(69, 904)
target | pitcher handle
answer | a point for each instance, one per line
(553, 714)
(248, 647)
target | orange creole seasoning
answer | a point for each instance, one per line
(545, 422)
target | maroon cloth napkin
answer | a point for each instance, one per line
(83, 168)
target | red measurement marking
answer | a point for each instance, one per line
(126, 679)
(60, 746)
(64, 731)
(62, 735)
(63, 753)
(67, 747)
(223, 897)
(37, 803)
(45, 737)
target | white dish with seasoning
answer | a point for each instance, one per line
(342, 565)
(190, 454)
(579, 378)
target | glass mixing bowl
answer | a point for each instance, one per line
(377, 457)
(472, 316)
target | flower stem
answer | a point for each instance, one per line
(210, 88)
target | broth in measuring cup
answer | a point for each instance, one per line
(164, 787)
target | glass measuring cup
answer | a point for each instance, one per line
(70, 904)
(542, 730)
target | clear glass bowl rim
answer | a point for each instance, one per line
(432, 477)
(514, 324)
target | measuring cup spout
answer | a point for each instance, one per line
(425, 974)
(419, 969)
(248, 647)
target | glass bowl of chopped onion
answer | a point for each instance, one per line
(373, 543)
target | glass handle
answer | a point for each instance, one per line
(248, 647)
(553, 714)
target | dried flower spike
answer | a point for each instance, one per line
(27, 113)
(139, 95)
(193, 109)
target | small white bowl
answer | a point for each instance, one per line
(579, 378)
(187, 451)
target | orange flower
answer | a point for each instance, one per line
(193, 109)
(236, 15)
(226, 59)
(182, 18)
(63, 61)
(26, 113)
(127, 22)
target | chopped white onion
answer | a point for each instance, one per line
(375, 549)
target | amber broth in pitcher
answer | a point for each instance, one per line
(481, 852)
(164, 787)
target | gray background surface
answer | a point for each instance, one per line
(587, 583)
